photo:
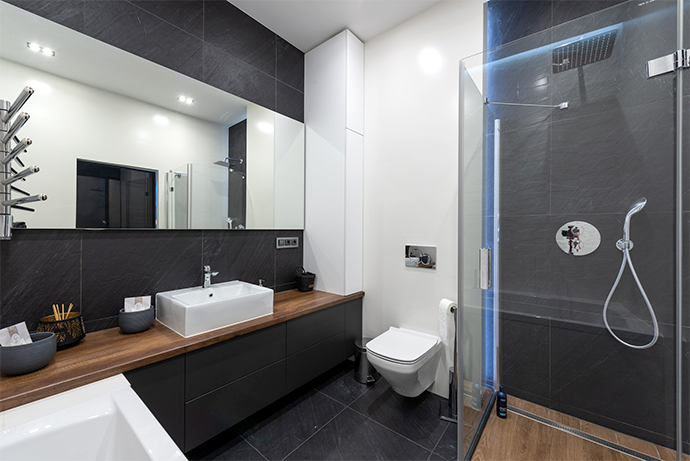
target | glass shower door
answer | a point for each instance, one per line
(573, 134)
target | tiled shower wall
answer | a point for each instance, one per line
(211, 41)
(96, 269)
(614, 144)
(208, 40)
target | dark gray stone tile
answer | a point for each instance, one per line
(101, 324)
(513, 19)
(351, 437)
(188, 15)
(69, 13)
(236, 33)
(447, 447)
(120, 264)
(340, 384)
(230, 74)
(568, 10)
(595, 373)
(282, 427)
(644, 32)
(121, 24)
(290, 102)
(227, 446)
(290, 65)
(287, 260)
(246, 255)
(525, 344)
(39, 268)
(604, 162)
(414, 418)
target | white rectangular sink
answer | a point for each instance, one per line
(192, 311)
(104, 421)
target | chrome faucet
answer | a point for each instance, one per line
(207, 276)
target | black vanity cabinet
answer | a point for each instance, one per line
(200, 394)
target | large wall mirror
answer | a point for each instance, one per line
(125, 143)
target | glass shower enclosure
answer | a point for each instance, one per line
(573, 198)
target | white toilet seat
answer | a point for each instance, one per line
(402, 346)
(406, 359)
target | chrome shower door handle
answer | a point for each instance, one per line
(485, 268)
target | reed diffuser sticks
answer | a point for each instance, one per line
(60, 314)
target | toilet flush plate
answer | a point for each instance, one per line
(578, 238)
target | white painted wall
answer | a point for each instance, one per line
(411, 82)
(333, 115)
(100, 126)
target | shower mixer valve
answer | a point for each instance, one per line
(8, 154)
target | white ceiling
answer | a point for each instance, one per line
(308, 23)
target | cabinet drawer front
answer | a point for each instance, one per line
(310, 363)
(221, 409)
(306, 331)
(215, 366)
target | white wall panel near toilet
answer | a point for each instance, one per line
(332, 104)
(411, 165)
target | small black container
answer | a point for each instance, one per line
(501, 403)
(305, 280)
(19, 360)
(68, 331)
(135, 322)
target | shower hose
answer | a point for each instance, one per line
(625, 246)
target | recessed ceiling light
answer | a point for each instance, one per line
(38, 48)
(181, 98)
(185, 99)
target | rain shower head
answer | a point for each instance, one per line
(227, 161)
(635, 208)
(586, 50)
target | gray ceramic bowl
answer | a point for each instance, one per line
(135, 322)
(19, 360)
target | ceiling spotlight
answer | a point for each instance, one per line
(38, 48)
(185, 99)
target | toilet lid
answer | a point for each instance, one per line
(400, 345)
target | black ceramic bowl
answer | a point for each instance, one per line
(68, 331)
(135, 322)
(19, 360)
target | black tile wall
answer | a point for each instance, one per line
(614, 144)
(209, 40)
(96, 269)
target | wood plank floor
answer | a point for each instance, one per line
(517, 438)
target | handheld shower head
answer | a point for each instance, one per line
(635, 208)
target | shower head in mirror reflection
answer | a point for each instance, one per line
(227, 161)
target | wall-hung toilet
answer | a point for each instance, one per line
(407, 359)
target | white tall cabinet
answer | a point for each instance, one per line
(334, 142)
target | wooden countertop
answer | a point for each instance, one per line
(109, 352)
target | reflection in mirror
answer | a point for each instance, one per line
(218, 162)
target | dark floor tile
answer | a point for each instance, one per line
(121, 24)
(120, 264)
(188, 15)
(435, 457)
(39, 268)
(246, 255)
(290, 102)
(236, 33)
(69, 13)
(290, 65)
(447, 447)
(351, 437)
(227, 446)
(340, 384)
(283, 426)
(225, 71)
(415, 418)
